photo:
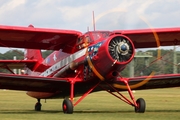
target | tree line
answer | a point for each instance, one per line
(9, 55)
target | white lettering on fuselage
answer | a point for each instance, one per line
(54, 57)
(63, 63)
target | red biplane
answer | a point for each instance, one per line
(82, 63)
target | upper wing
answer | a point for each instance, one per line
(151, 82)
(38, 38)
(148, 38)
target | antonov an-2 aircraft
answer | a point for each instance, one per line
(82, 63)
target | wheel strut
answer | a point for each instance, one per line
(139, 105)
(68, 105)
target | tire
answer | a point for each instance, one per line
(38, 106)
(141, 106)
(67, 106)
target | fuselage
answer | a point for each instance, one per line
(97, 55)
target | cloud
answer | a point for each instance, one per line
(10, 5)
(72, 14)
(77, 15)
(154, 11)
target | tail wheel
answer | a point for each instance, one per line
(67, 106)
(38, 106)
(141, 106)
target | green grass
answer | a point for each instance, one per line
(162, 104)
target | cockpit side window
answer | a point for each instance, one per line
(80, 40)
(83, 42)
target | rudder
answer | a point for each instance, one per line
(32, 54)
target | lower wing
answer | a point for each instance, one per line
(32, 83)
(150, 82)
(49, 84)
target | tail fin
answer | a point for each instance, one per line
(32, 54)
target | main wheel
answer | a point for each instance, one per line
(141, 106)
(38, 106)
(67, 106)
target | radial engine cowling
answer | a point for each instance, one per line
(114, 54)
(121, 49)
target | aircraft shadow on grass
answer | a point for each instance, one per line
(79, 112)
(148, 111)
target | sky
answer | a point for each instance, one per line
(77, 14)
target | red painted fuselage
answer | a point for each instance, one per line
(97, 55)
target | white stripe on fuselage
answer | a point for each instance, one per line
(63, 62)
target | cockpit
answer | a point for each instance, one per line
(91, 37)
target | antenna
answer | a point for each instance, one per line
(88, 28)
(94, 22)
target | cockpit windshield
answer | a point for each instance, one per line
(91, 37)
(97, 35)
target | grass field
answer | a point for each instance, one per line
(162, 104)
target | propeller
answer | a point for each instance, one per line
(120, 48)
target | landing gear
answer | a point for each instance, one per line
(138, 104)
(141, 106)
(38, 105)
(67, 106)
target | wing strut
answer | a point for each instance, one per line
(6, 67)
